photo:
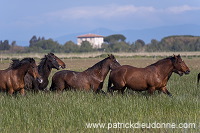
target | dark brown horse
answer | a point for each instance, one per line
(47, 63)
(12, 79)
(151, 78)
(90, 79)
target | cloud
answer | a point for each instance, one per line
(119, 16)
(109, 12)
(100, 11)
(181, 9)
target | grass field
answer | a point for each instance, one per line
(71, 111)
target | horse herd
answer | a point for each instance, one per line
(26, 75)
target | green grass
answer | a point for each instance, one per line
(71, 110)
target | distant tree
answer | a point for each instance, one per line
(44, 45)
(138, 46)
(86, 47)
(5, 45)
(33, 41)
(70, 47)
(114, 38)
(119, 47)
(197, 45)
(13, 43)
(153, 46)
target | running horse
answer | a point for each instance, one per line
(151, 78)
(90, 79)
(47, 63)
(12, 78)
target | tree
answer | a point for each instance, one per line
(33, 41)
(44, 45)
(86, 47)
(70, 47)
(153, 46)
(138, 45)
(114, 38)
(5, 45)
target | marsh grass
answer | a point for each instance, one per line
(71, 110)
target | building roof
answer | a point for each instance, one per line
(89, 36)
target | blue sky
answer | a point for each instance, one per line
(21, 19)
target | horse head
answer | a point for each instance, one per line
(33, 70)
(113, 63)
(179, 66)
(55, 62)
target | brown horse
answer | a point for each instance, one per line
(151, 78)
(47, 63)
(12, 79)
(90, 79)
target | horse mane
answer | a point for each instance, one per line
(162, 61)
(98, 65)
(43, 60)
(17, 63)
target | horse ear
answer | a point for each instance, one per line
(175, 56)
(113, 57)
(32, 60)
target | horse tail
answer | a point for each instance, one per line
(198, 78)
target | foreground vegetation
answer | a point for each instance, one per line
(71, 110)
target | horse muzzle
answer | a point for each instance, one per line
(40, 80)
(62, 66)
(187, 72)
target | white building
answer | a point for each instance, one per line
(95, 40)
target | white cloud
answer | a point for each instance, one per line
(116, 11)
(100, 11)
(122, 15)
(181, 9)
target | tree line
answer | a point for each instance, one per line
(112, 43)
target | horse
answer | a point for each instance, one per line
(90, 79)
(12, 78)
(151, 78)
(47, 63)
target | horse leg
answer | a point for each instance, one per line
(114, 88)
(109, 85)
(99, 89)
(198, 78)
(151, 90)
(122, 90)
(165, 91)
(35, 85)
(11, 91)
(57, 86)
(22, 92)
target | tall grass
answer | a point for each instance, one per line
(71, 110)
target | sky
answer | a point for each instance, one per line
(21, 19)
